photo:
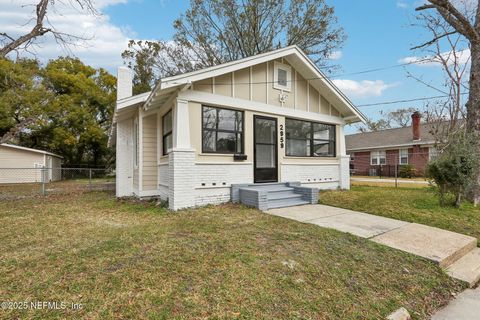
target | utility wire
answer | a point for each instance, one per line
(323, 77)
(405, 100)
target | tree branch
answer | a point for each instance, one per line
(39, 28)
(454, 17)
(428, 43)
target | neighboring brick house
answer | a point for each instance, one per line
(383, 152)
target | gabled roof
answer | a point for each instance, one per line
(29, 149)
(293, 54)
(389, 138)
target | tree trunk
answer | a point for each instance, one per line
(458, 199)
(473, 113)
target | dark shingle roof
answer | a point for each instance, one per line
(389, 138)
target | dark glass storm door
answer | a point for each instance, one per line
(265, 149)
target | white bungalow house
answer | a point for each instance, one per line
(270, 122)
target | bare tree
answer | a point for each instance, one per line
(466, 23)
(451, 53)
(393, 119)
(212, 32)
(10, 43)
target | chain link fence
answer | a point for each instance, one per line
(391, 165)
(42, 181)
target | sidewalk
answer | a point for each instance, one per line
(456, 253)
(466, 306)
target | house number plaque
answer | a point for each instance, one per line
(282, 139)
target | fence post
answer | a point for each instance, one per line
(396, 171)
(42, 175)
(90, 179)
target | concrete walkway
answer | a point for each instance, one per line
(457, 253)
(466, 306)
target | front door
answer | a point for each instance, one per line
(265, 149)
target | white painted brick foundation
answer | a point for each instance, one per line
(213, 181)
(181, 171)
(344, 172)
(317, 175)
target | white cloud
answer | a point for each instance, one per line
(402, 4)
(462, 57)
(105, 43)
(364, 88)
(335, 55)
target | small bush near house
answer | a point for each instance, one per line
(453, 170)
(407, 171)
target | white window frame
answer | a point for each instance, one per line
(401, 156)
(378, 156)
(432, 155)
(288, 69)
(135, 143)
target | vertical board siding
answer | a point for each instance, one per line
(149, 153)
(301, 93)
(259, 77)
(256, 83)
(241, 84)
(313, 100)
(223, 85)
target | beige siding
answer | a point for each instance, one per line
(301, 93)
(313, 100)
(242, 84)
(334, 111)
(223, 85)
(259, 80)
(324, 106)
(13, 158)
(203, 85)
(259, 87)
(149, 153)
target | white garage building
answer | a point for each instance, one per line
(26, 165)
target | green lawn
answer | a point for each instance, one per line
(409, 204)
(123, 260)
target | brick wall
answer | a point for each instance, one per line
(418, 157)
(360, 163)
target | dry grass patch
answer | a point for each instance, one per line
(124, 260)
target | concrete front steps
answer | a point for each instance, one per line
(467, 268)
(456, 253)
(266, 196)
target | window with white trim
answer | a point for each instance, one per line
(403, 156)
(282, 75)
(167, 132)
(378, 158)
(432, 153)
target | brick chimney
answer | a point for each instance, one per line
(124, 83)
(416, 125)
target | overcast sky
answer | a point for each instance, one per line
(379, 35)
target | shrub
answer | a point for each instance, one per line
(453, 169)
(407, 171)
